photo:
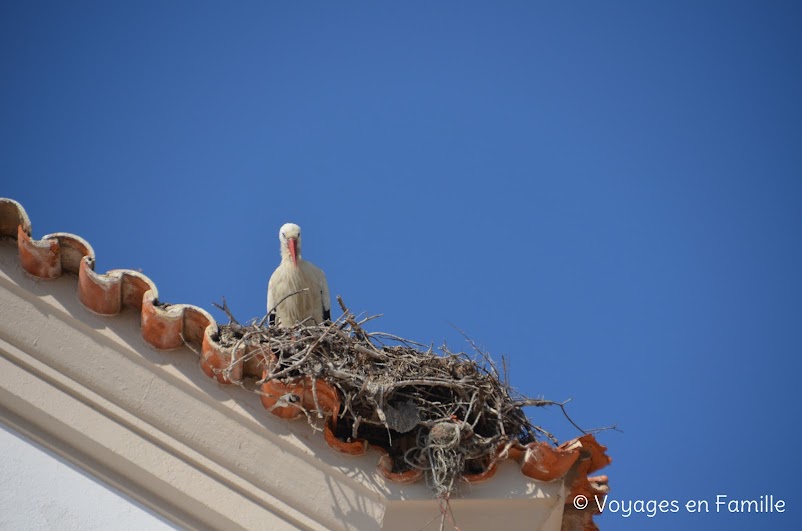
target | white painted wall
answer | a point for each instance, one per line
(39, 490)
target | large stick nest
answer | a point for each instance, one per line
(447, 414)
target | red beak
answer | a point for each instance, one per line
(291, 244)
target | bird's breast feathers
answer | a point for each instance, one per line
(288, 279)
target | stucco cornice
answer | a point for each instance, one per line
(150, 423)
(85, 371)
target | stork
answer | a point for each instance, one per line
(292, 275)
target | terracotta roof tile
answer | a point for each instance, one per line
(167, 327)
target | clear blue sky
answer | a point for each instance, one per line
(607, 193)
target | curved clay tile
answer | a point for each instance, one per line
(167, 327)
(161, 326)
(215, 359)
(386, 469)
(73, 248)
(40, 258)
(13, 216)
(543, 462)
(588, 445)
(288, 400)
(357, 447)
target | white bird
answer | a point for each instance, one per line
(292, 275)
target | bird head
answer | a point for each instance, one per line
(290, 236)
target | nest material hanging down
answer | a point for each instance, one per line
(446, 414)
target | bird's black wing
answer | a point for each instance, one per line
(326, 313)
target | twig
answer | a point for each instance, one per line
(224, 307)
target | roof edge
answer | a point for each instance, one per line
(168, 327)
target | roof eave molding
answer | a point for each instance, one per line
(148, 422)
